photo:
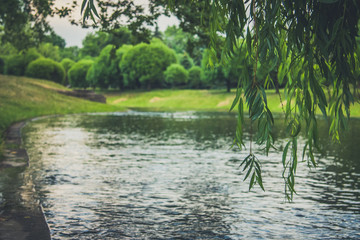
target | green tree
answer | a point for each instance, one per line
(195, 77)
(55, 39)
(2, 65)
(7, 49)
(93, 43)
(105, 72)
(46, 68)
(176, 75)
(24, 22)
(16, 64)
(119, 37)
(176, 39)
(77, 74)
(48, 50)
(144, 64)
(186, 61)
(70, 52)
(66, 63)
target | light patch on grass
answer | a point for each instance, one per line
(119, 100)
(224, 103)
(155, 99)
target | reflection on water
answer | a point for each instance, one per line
(173, 176)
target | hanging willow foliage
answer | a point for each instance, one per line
(311, 44)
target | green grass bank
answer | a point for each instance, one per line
(182, 100)
(24, 98)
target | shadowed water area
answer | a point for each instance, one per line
(173, 176)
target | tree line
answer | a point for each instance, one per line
(117, 60)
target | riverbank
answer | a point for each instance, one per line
(21, 99)
(21, 216)
(25, 98)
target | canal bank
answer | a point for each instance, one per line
(21, 216)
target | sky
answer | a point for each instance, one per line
(74, 35)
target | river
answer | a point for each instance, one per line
(138, 175)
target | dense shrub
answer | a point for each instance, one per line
(176, 75)
(48, 50)
(77, 74)
(17, 64)
(46, 68)
(105, 71)
(2, 65)
(195, 77)
(186, 61)
(144, 64)
(66, 63)
(209, 73)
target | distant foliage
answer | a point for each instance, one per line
(45, 68)
(105, 72)
(7, 49)
(31, 55)
(70, 52)
(119, 58)
(77, 74)
(2, 65)
(186, 61)
(176, 75)
(195, 77)
(67, 63)
(144, 64)
(16, 64)
(49, 51)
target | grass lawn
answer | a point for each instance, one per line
(183, 100)
(23, 98)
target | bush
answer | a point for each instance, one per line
(46, 68)
(186, 61)
(66, 63)
(105, 71)
(49, 51)
(31, 55)
(2, 65)
(195, 77)
(77, 74)
(176, 75)
(17, 64)
(144, 64)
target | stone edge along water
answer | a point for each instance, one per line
(20, 222)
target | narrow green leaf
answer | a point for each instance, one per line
(285, 153)
(252, 181)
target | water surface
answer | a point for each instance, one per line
(173, 176)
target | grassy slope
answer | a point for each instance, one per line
(23, 98)
(199, 100)
(171, 100)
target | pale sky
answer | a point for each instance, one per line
(74, 35)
